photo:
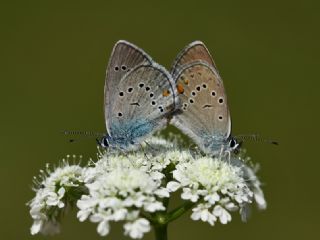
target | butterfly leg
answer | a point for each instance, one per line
(229, 156)
(144, 153)
(150, 146)
(221, 152)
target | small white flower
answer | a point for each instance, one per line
(173, 186)
(223, 215)
(55, 199)
(191, 194)
(103, 228)
(212, 198)
(153, 206)
(202, 212)
(137, 228)
(162, 192)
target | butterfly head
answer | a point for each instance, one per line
(234, 145)
(104, 141)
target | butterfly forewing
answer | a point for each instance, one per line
(193, 52)
(125, 56)
(143, 99)
(204, 103)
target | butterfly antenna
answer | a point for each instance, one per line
(82, 134)
(255, 138)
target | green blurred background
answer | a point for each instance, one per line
(53, 59)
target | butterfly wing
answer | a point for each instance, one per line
(143, 99)
(205, 116)
(193, 52)
(124, 57)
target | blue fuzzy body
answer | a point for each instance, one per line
(126, 135)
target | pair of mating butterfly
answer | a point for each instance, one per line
(141, 97)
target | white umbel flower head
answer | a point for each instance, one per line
(54, 191)
(123, 189)
(215, 185)
(133, 188)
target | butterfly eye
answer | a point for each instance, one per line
(232, 143)
(105, 142)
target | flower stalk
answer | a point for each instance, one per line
(161, 232)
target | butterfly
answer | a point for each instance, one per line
(205, 114)
(139, 97)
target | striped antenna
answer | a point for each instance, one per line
(81, 134)
(255, 138)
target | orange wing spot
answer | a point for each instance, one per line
(180, 88)
(186, 81)
(166, 93)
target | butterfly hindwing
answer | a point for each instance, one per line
(205, 113)
(125, 56)
(143, 99)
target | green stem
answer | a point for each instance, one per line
(175, 213)
(161, 231)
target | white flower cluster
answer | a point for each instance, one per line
(119, 190)
(216, 186)
(133, 187)
(54, 193)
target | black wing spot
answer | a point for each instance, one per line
(204, 85)
(119, 114)
(220, 117)
(213, 93)
(123, 67)
(185, 104)
(130, 89)
(207, 106)
(141, 85)
(116, 68)
(153, 103)
(151, 95)
(160, 108)
(198, 88)
(135, 104)
(220, 100)
(148, 88)
(121, 94)
(193, 93)
(191, 100)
